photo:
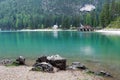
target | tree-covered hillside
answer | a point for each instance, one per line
(115, 24)
(109, 13)
(19, 14)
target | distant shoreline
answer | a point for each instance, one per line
(46, 30)
(109, 31)
(35, 30)
(106, 31)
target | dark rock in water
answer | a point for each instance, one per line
(77, 65)
(42, 59)
(6, 62)
(20, 60)
(103, 73)
(45, 67)
(57, 61)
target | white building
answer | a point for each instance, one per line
(55, 27)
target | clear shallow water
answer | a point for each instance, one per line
(75, 46)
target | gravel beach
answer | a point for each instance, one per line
(24, 73)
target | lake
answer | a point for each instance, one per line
(96, 50)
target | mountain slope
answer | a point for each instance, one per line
(115, 24)
(35, 13)
(48, 6)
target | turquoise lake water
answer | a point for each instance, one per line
(89, 47)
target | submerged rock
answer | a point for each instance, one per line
(104, 73)
(76, 66)
(20, 60)
(45, 67)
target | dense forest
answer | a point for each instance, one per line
(35, 14)
(110, 14)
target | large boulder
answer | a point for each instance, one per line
(43, 66)
(76, 66)
(57, 61)
(20, 60)
(42, 59)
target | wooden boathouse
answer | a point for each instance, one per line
(85, 28)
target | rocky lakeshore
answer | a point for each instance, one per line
(24, 73)
(48, 68)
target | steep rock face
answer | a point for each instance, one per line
(67, 6)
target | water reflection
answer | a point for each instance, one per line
(73, 45)
(55, 34)
(87, 50)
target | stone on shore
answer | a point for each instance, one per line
(43, 66)
(57, 61)
(42, 59)
(20, 60)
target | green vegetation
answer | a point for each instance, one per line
(36, 69)
(109, 13)
(115, 24)
(90, 72)
(12, 64)
(30, 14)
(37, 14)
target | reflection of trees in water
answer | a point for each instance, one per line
(55, 34)
(114, 39)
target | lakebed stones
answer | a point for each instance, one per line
(20, 60)
(6, 62)
(43, 66)
(104, 73)
(77, 66)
